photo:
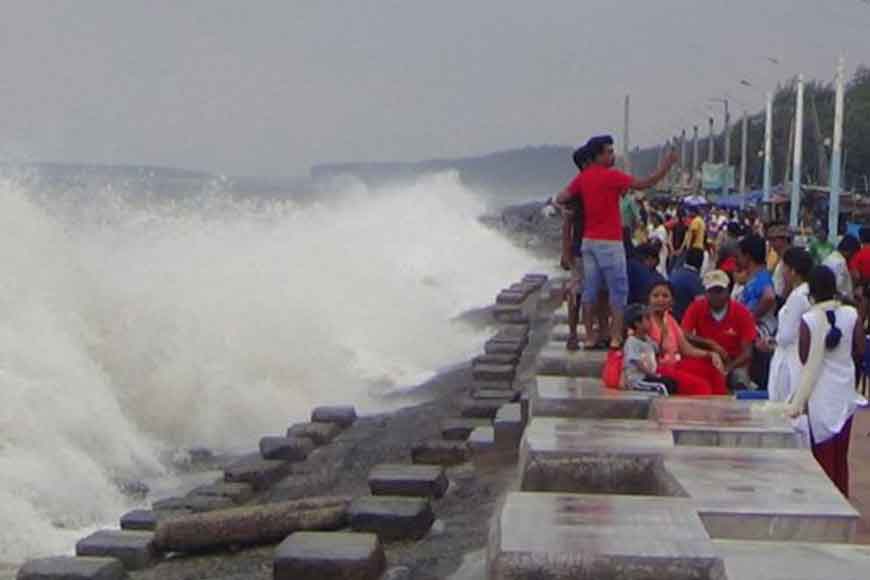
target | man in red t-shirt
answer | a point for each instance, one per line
(601, 187)
(716, 322)
(860, 263)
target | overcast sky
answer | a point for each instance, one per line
(270, 87)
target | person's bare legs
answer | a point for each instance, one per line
(573, 320)
(616, 328)
(602, 309)
(589, 324)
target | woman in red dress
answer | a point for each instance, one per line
(697, 372)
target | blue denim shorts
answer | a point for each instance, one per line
(604, 264)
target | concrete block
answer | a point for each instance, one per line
(408, 480)
(192, 503)
(511, 297)
(286, 448)
(342, 415)
(492, 385)
(481, 393)
(508, 427)
(259, 473)
(460, 429)
(586, 398)
(510, 314)
(329, 556)
(496, 359)
(794, 560)
(513, 332)
(483, 408)
(319, 433)
(139, 520)
(726, 422)
(494, 372)
(70, 568)
(587, 537)
(440, 452)
(237, 492)
(504, 347)
(392, 518)
(135, 550)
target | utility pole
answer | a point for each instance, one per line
(836, 165)
(798, 155)
(744, 144)
(711, 144)
(821, 153)
(727, 133)
(683, 155)
(696, 162)
(626, 150)
(768, 147)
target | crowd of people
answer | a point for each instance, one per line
(705, 301)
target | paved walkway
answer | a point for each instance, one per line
(859, 465)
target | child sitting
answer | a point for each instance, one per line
(639, 354)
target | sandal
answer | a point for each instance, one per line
(573, 344)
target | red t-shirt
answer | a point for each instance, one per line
(601, 188)
(732, 333)
(861, 263)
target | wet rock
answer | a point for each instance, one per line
(440, 453)
(408, 480)
(460, 429)
(286, 448)
(139, 520)
(342, 415)
(319, 433)
(70, 568)
(259, 473)
(329, 556)
(135, 550)
(246, 526)
(392, 518)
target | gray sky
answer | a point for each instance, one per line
(270, 87)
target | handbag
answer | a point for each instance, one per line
(612, 373)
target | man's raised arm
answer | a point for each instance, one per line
(660, 173)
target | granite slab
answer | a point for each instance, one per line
(555, 359)
(582, 398)
(793, 560)
(583, 537)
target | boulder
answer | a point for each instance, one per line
(319, 433)
(135, 550)
(71, 568)
(408, 480)
(286, 448)
(329, 556)
(392, 518)
(247, 526)
(440, 452)
(342, 415)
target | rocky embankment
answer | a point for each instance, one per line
(401, 495)
(531, 226)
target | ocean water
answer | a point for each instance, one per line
(131, 328)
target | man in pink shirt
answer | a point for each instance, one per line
(601, 187)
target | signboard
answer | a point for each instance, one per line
(717, 177)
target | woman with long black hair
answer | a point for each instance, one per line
(830, 340)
